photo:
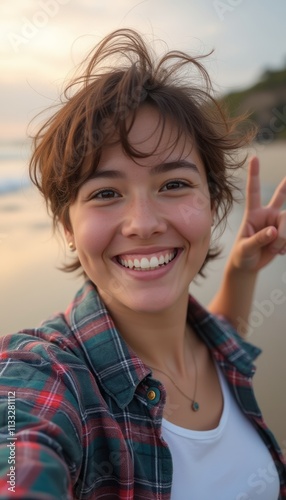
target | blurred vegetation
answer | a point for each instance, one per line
(265, 102)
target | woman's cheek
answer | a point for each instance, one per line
(195, 225)
(196, 208)
(96, 233)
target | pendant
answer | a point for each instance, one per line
(195, 406)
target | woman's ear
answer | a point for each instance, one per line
(70, 239)
(67, 229)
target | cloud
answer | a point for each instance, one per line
(42, 40)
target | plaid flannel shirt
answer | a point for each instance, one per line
(85, 425)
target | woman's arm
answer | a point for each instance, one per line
(262, 236)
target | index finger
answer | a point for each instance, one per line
(253, 198)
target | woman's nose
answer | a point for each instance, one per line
(143, 219)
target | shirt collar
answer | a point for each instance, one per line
(118, 368)
(227, 346)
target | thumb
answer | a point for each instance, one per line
(259, 240)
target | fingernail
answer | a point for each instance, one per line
(269, 232)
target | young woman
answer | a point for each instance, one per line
(136, 391)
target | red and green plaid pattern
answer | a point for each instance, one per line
(85, 427)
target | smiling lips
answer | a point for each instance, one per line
(149, 263)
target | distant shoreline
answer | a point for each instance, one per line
(272, 164)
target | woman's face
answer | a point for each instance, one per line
(142, 231)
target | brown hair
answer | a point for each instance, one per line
(100, 107)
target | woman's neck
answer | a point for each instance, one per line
(158, 338)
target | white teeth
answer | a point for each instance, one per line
(154, 262)
(166, 258)
(146, 263)
(161, 260)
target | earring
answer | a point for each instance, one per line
(71, 246)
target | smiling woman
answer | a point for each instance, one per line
(137, 391)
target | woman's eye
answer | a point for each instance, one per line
(105, 194)
(176, 184)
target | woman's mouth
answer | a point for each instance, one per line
(147, 262)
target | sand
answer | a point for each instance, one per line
(32, 287)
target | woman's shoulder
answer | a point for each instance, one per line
(54, 333)
(44, 357)
(37, 343)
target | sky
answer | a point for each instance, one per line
(41, 41)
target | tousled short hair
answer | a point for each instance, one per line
(99, 107)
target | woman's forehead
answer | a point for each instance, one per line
(149, 126)
(150, 139)
(149, 133)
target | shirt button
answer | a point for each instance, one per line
(151, 395)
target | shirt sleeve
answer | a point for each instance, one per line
(40, 424)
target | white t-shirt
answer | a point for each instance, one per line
(230, 462)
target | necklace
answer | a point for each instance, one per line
(195, 405)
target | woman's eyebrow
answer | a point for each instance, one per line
(157, 169)
(174, 165)
(108, 174)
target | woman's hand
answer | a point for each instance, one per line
(262, 234)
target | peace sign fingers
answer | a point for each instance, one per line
(264, 226)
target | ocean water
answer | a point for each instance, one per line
(14, 157)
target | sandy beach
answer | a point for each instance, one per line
(32, 287)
